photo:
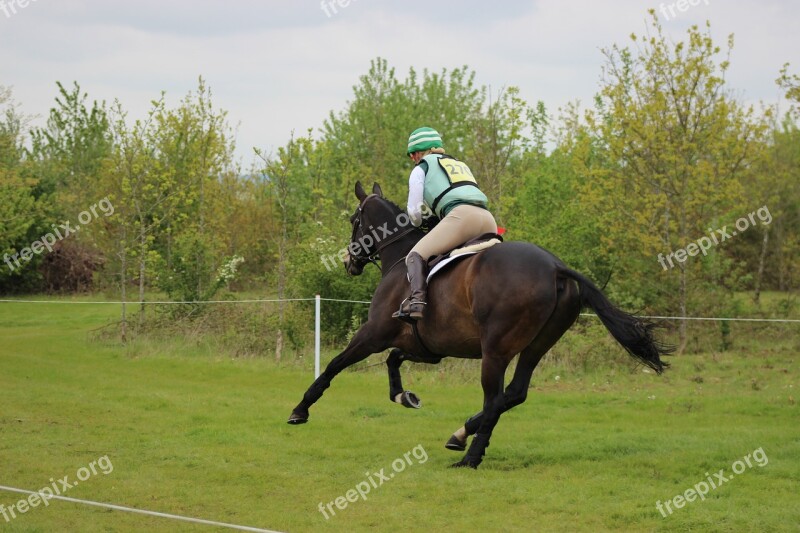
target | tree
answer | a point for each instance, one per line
(71, 149)
(499, 140)
(166, 175)
(367, 140)
(23, 207)
(289, 188)
(128, 178)
(775, 183)
(678, 144)
(67, 158)
(192, 152)
(546, 206)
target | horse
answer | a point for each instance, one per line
(512, 298)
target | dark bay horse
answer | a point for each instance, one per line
(514, 298)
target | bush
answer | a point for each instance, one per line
(314, 270)
(70, 267)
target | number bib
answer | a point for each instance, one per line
(456, 170)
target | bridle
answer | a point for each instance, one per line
(365, 256)
(360, 260)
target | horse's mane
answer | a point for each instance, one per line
(392, 204)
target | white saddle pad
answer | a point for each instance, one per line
(442, 264)
(460, 253)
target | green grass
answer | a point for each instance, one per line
(196, 433)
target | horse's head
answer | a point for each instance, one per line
(376, 223)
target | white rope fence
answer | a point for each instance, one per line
(156, 302)
(317, 313)
(140, 511)
(147, 302)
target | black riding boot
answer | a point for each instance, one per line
(412, 307)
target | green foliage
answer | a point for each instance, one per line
(546, 208)
(677, 145)
(23, 207)
(775, 183)
(193, 274)
(167, 173)
(790, 83)
(315, 267)
(70, 151)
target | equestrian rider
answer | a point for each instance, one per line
(444, 186)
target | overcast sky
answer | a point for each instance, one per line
(278, 66)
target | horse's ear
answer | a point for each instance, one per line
(360, 194)
(376, 189)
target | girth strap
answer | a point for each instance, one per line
(425, 351)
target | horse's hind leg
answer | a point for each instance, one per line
(493, 369)
(563, 317)
(515, 394)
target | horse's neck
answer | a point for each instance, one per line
(396, 253)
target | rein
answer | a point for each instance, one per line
(392, 240)
(382, 245)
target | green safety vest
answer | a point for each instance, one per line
(449, 183)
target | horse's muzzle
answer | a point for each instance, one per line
(354, 268)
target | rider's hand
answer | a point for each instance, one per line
(428, 223)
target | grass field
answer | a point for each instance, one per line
(193, 433)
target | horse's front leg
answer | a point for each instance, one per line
(362, 345)
(396, 391)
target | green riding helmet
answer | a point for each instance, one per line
(424, 139)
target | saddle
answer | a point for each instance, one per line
(471, 247)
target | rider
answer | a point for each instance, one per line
(444, 186)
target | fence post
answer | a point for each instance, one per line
(316, 336)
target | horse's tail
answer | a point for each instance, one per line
(634, 334)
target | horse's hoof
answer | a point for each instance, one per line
(455, 444)
(297, 418)
(410, 400)
(463, 463)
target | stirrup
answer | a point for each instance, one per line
(405, 316)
